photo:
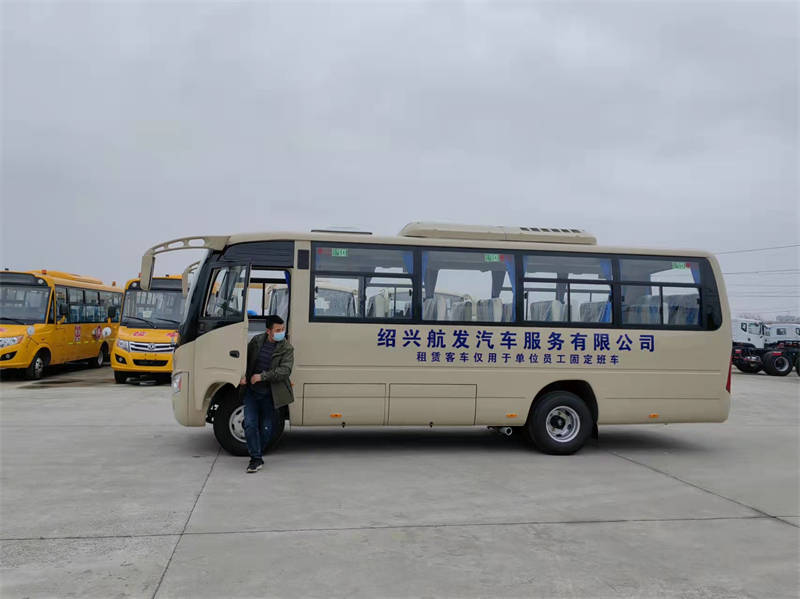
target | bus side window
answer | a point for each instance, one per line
(91, 308)
(226, 293)
(62, 307)
(75, 298)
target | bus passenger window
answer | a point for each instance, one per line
(362, 282)
(660, 291)
(571, 288)
(336, 297)
(468, 285)
(75, 297)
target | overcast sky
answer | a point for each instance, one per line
(663, 124)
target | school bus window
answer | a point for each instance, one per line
(359, 282)
(91, 310)
(75, 298)
(484, 280)
(568, 288)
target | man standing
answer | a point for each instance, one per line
(265, 387)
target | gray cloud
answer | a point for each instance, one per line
(653, 124)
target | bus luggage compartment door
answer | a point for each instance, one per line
(426, 404)
(344, 403)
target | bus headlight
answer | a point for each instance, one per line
(8, 341)
(124, 345)
(177, 382)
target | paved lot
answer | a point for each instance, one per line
(104, 495)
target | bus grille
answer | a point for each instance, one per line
(158, 348)
(150, 362)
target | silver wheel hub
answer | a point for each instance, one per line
(781, 363)
(236, 424)
(38, 365)
(563, 424)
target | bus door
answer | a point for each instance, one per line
(267, 293)
(221, 346)
(61, 344)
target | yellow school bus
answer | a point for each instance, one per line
(149, 329)
(534, 331)
(52, 317)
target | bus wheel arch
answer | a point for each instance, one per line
(568, 404)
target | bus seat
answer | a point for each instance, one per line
(508, 312)
(548, 310)
(490, 310)
(462, 310)
(434, 308)
(377, 306)
(682, 309)
(644, 312)
(595, 312)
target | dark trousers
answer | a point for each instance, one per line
(259, 414)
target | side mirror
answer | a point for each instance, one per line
(112, 312)
(63, 310)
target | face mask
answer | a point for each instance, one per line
(279, 336)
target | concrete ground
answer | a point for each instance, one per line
(104, 495)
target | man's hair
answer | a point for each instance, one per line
(273, 319)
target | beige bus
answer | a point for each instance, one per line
(532, 330)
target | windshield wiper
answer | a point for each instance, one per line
(152, 326)
(167, 320)
(17, 320)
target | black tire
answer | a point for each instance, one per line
(749, 368)
(120, 378)
(35, 369)
(100, 360)
(779, 365)
(226, 420)
(560, 407)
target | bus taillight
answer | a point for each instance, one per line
(728, 384)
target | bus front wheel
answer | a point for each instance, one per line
(560, 423)
(229, 426)
(35, 369)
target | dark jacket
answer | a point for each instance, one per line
(277, 377)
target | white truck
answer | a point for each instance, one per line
(773, 348)
(777, 332)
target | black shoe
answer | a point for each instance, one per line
(254, 465)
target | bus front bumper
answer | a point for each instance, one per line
(141, 362)
(18, 355)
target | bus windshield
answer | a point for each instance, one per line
(156, 309)
(23, 304)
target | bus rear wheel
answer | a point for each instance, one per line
(778, 365)
(229, 426)
(560, 423)
(35, 369)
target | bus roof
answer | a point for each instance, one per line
(57, 277)
(510, 244)
(170, 282)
